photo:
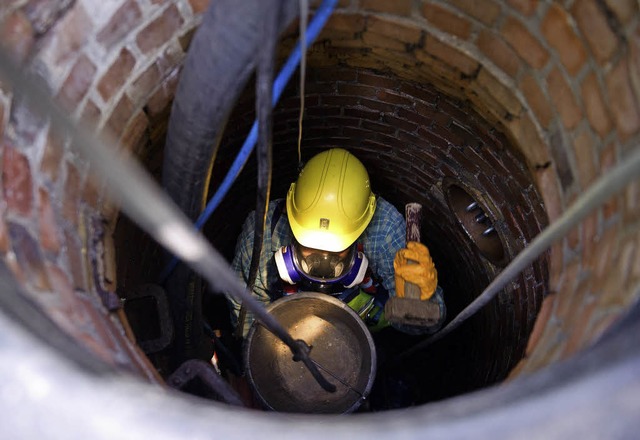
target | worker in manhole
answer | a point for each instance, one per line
(333, 235)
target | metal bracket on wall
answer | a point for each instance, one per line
(478, 222)
(147, 310)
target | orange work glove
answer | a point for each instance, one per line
(413, 264)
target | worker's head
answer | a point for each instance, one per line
(328, 208)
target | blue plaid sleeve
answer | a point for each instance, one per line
(385, 235)
(266, 278)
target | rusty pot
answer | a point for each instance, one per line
(341, 345)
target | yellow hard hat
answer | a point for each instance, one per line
(331, 204)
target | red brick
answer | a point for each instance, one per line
(76, 261)
(590, 228)
(446, 20)
(396, 7)
(77, 83)
(623, 10)
(524, 43)
(27, 125)
(400, 33)
(91, 114)
(563, 99)
(4, 234)
(77, 25)
(44, 14)
(378, 81)
(632, 203)
(393, 98)
(48, 225)
(17, 183)
(402, 123)
(160, 30)
(594, 106)
(52, 157)
(549, 188)
(71, 194)
(376, 127)
(578, 329)
(115, 77)
(602, 261)
(17, 35)
(498, 51)
(143, 86)
(68, 305)
(526, 7)
(451, 56)
(377, 42)
(333, 75)
(134, 134)
(556, 27)
(595, 29)
(634, 59)
(541, 321)
(418, 92)
(628, 257)
(348, 24)
(95, 344)
(120, 116)
(2, 113)
(502, 95)
(567, 299)
(486, 11)
(372, 104)
(91, 191)
(584, 148)
(356, 90)
(635, 270)
(160, 101)
(536, 99)
(199, 6)
(608, 160)
(29, 257)
(624, 106)
(126, 18)
(574, 236)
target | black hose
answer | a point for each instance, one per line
(264, 80)
(220, 60)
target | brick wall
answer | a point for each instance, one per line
(560, 80)
(115, 66)
(557, 82)
(415, 143)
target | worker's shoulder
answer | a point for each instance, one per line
(386, 210)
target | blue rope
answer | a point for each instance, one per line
(315, 26)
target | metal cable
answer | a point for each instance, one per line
(264, 78)
(304, 18)
(264, 150)
(594, 196)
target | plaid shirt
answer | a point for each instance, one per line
(383, 237)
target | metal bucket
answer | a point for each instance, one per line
(341, 345)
